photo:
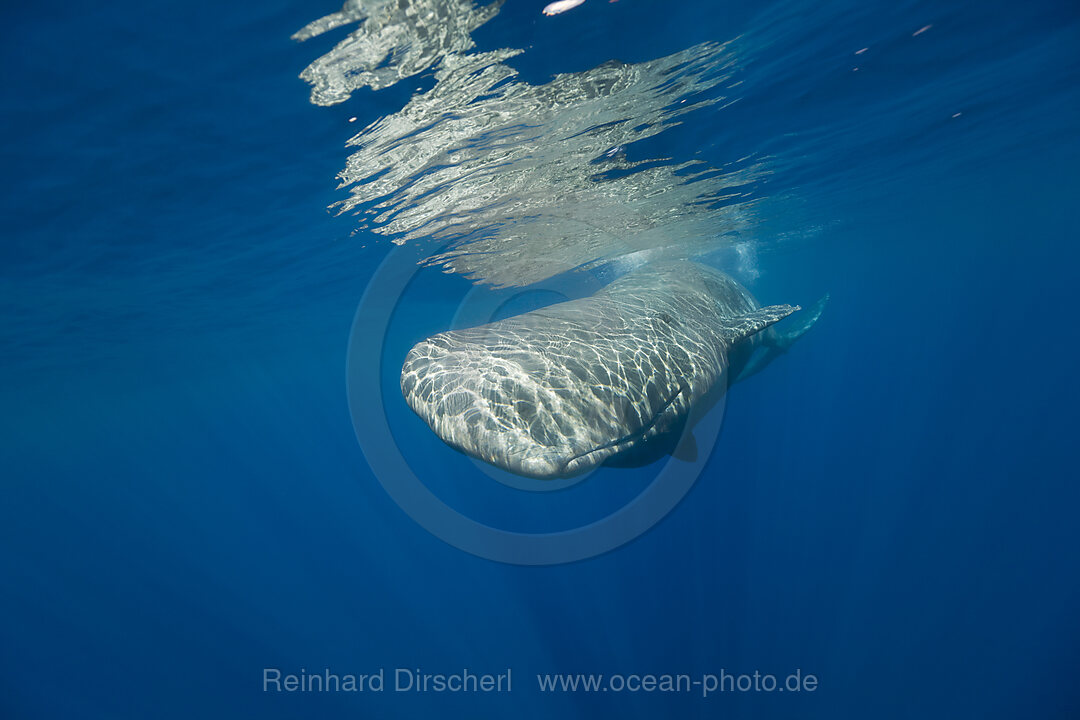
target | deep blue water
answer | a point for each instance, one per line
(890, 506)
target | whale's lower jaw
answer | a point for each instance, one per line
(550, 463)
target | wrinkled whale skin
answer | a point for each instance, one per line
(557, 391)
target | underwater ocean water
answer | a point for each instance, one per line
(201, 414)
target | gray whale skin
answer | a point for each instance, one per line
(556, 391)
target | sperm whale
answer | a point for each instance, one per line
(556, 391)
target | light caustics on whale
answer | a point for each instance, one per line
(510, 182)
(557, 391)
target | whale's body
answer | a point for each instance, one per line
(559, 390)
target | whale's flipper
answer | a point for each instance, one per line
(687, 449)
(775, 342)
